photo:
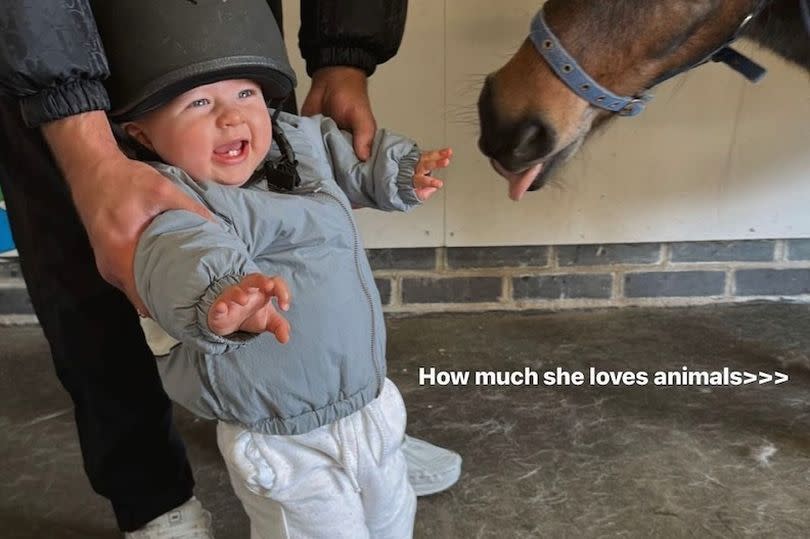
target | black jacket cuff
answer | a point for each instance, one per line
(62, 101)
(352, 57)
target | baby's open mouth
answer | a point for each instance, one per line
(232, 149)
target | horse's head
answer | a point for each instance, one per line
(531, 121)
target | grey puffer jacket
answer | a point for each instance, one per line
(334, 363)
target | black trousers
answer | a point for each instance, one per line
(132, 454)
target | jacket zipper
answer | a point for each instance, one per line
(363, 284)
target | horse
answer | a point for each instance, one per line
(588, 61)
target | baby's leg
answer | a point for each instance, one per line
(247, 306)
(266, 516)
(388, 498)
(292, 486)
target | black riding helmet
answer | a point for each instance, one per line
(159, 49)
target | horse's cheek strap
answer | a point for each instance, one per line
(572, 74)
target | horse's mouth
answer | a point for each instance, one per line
(535, 175)
(530, 178)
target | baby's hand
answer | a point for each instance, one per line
(424, 184)
(248, 306)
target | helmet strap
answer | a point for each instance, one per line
(281, 174)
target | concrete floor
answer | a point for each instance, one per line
(539, 461)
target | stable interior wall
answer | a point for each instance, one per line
(712, 158)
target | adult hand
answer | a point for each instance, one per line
(341, 93)
(115, 197)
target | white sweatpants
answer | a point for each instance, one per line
(344, 480)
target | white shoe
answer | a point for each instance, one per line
(431, 469)
(189, 521)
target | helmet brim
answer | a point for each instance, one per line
(276, 80)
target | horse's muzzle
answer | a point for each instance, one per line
(515, 144)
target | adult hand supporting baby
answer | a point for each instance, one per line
(341, 92)
(116, 197)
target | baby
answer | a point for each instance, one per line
(309, 426)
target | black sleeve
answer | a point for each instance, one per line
(358, 33)
(51, 58)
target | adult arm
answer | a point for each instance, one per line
(52, 60)
(115, 197)
(355, 33)
(343, 42)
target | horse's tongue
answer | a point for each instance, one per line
(519, 182)
(225, 148)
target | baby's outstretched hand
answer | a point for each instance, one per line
(248, 306)
(424, 184)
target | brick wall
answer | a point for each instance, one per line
(584, 276)
(558, 277)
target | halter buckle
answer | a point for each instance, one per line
(634, 107)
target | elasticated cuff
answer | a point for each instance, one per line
(407, 167)
(66, 100)
(228, 342)
(352, 57)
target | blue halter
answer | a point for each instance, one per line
(582, 84)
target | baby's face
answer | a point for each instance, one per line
(218, 132)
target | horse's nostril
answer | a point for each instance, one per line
(533, 140)
(528, 136)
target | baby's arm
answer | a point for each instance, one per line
(389, 179)
(183, 265)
